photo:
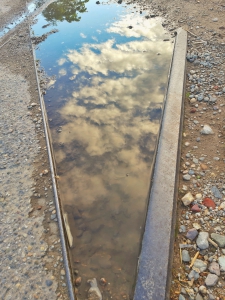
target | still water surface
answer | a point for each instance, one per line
(110, 67)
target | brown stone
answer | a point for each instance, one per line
(204, 167)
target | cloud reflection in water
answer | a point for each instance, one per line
(105, 149)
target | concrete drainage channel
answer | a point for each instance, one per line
(56, 196)
(154, 271)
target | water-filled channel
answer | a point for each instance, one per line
(109, 66)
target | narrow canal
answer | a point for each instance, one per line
(108, 65)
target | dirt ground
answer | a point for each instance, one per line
(205, 23)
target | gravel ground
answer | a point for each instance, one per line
(31, 265)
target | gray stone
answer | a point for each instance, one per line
(187, 177)
(215, 20)
(191, 234)
(181, 297)
(214, 268)
(201, 265)
(185, 256)
(53, 216)
(193, 274)
(182, 228)
(191, 172)
(202, 240)
(221, 261)
(216, 192)
(219, 239)
(211, 297)
(200, 97)
(206, 130)
(48, 282)
(211, 280)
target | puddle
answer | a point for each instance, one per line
(109, 67)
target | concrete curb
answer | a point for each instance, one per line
(154, 270)
(54, 184)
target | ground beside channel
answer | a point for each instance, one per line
(31, 255)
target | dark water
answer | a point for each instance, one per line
(104, 108)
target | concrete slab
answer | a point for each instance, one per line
(154, 270)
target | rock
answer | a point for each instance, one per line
(193, 100)
(193, 274)
(187, 199)
(77, 281)
(198, 297)
(208, 202)
(201, 265)
(216, 192)
(182, 228)
(187, 177)
(204, 167)
(181, 297)
(202, 240)
(48, 282)
(196, 226)
(211, 280)
(215, 19)
(219, 239)
(103, 281)
(185, 256)
(191, 234)
(203, 290)
(214, 268)
(206, 130)
(94, 292)
(195, 208)
(211, 297)
(221, 261)
(222, 205)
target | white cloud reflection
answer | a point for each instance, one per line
(110, 125)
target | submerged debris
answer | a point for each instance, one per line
(94, 292)
(38, 39)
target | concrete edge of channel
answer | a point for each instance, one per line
(54, 184)
(155, 261)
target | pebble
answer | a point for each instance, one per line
(193, 274)
(48, 282)
(181, 297)
(187, 199)
(219, 239)
(195, 208)
(202, 240)
(198, 297)
(187, 177)
(185, 256)
(216, 192)
(182, 228)
(214, 268)
(211, 280)
(206, 130)
(208, 202)
(201, 265)
(203, 290)
(191, 234)
(221, 261)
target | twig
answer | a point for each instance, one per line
(191, 32)
(213, 243)
(194, 259)
(180, 256)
